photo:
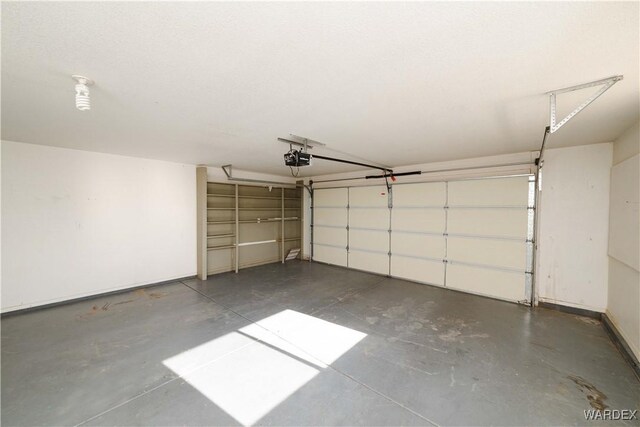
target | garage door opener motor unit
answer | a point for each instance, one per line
(301, 157)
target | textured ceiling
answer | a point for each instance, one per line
(397, 83)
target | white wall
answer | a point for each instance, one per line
(624, 278)
(77, 223)
(572, 262)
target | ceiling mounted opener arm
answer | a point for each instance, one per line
(333, 159)
(308, 144)
(605, 83)
(386, 172)
(297, 158)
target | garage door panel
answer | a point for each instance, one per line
(421, 194)
(479, 227)
(330, 236)
(330, 216)
(420, 270)
(512, 191)
(330, 209)
(423, 220)
(373, 240)
(369, 218)
(420, 245)
(483, 281)
(488, 222)
(501, 253)
(331, 197)
(368, 261)
(330, 255)
(375, 196)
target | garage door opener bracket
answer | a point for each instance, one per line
(605, 83)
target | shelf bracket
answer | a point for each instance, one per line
(605, 83)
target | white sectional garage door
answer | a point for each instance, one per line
(472, 235)
(330, 221)
(418, 227)
(487, 233)
(369, 229)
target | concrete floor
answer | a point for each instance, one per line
(330, 347)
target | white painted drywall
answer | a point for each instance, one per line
(624, 225)
(572, 264)
(623, 306)
(77, 223)
(627, 145)
(624, 302)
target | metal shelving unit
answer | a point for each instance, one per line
(245, 225)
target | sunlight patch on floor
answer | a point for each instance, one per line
(249, 372)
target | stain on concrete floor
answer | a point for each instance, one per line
(595, 397)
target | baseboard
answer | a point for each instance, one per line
(243, 266)
(571, 310)
(608, 325)
(621, 344)
(84, 298)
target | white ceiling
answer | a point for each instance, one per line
(397, 83)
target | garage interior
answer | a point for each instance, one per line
(229, 213)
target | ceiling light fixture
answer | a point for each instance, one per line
(83, 103)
